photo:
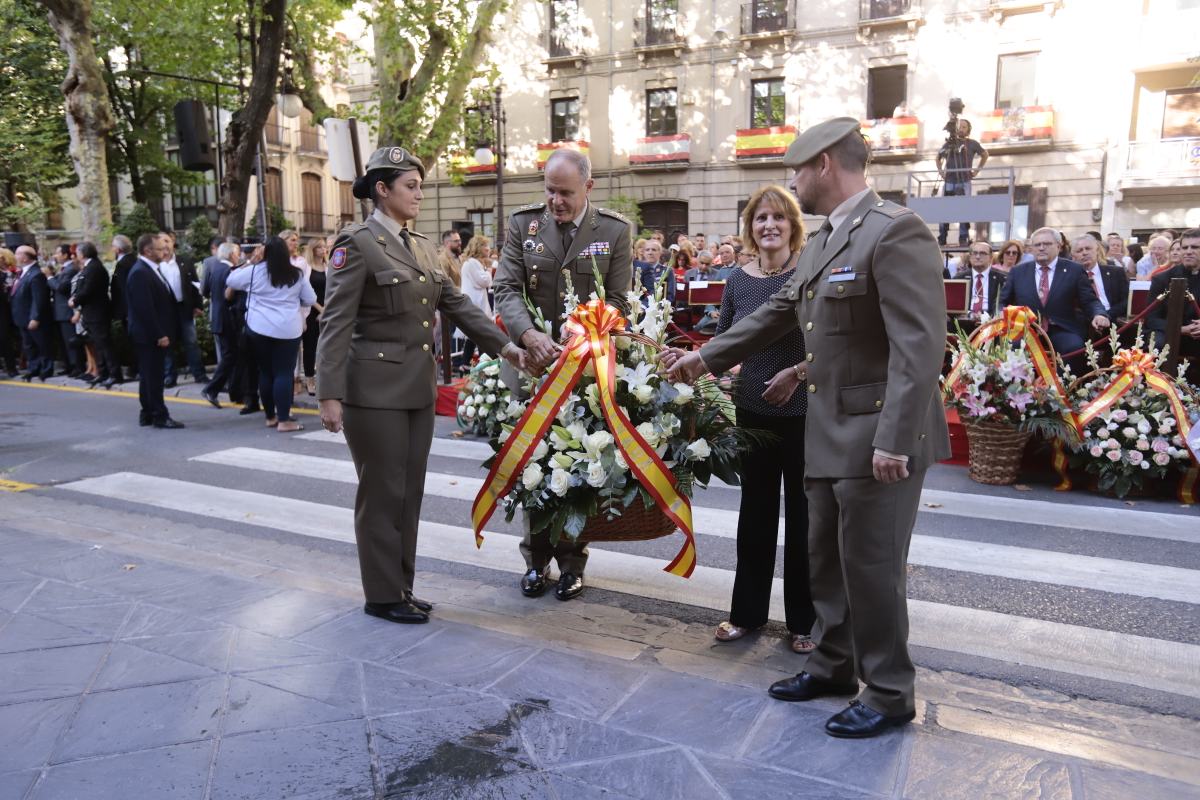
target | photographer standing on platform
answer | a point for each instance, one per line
(955, 163)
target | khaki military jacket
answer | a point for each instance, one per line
(376, 348)
(873, 312)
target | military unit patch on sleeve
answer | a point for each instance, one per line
(338, 257)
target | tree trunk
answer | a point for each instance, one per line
(245, 128)
(89, 115)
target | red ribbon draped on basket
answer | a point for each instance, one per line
(1019, 323)
(1135, 366)
(591, 326)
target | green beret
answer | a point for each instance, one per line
(818, 139)
(395, 158)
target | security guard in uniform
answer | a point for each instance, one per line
(376, 372)
(547, 243)
(867, 293)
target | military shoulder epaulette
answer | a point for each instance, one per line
(531, 207)
(890, 209)
(417, 233)
(608, 212)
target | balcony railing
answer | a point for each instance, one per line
(654, 34)
(894, 136)
(765, 17)
(1164, 157)
(564, 41)
(277, 135)
(883, 9)
(545, 149)
(763, 144)
(652, 152)
(1021, 127)
(312, 140)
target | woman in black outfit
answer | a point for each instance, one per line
(316, 256)
(766, 399)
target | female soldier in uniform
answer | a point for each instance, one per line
(376, 371)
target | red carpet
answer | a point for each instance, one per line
(447, 399)
(958, 440)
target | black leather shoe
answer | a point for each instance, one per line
(169, 423)
(87, 377)
(250, 410)
(405, 613)
(568, 587)
(533, 583)
(805, 687)
(418, 603)
(861, 722)
(108, 384)
(211, 397)
(27, 377)
(145, 423)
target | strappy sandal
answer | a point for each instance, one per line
(272, 422)
(728, 632)
(802, 644)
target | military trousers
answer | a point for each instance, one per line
(570, 555)
(390, 448)
(859, 533)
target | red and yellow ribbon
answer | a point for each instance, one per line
(590, 326)
(1019, 323)
(1135, 366)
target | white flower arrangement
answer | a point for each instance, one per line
(485, 403)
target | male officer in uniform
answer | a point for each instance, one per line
(546, 243)
(867, 293)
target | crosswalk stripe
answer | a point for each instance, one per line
(1020, 563)
(1089, 652)
(1129, 522)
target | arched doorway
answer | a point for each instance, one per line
(664, 215)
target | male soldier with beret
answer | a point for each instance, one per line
(867, 292)
(546, 243)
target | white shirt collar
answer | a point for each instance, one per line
(390, 225)
(839, 214)
(26, 268)
(578, 221)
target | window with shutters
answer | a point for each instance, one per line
(564, 119)
(345, 202)
(662, 110)
(310, 190)
(273, 187)
(767, 103)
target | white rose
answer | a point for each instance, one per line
(596, 476)
(491, 369)
(470, 401)
(686, 393)
(1145, 465)
(698, 450)
(646, 429)
(1103, 433)
(1143, 445)
(490, 383)
(532, 476)
(643, 393)
(541, 450)
(1143, 426)
(596, 442)
(560, 481)
(462, 409)
(470, 412)
(491, 398)
(1129, 433)
(619, 458)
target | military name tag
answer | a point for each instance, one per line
(338, 257)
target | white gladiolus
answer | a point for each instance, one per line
(532, 476)
(560, 481)
(577, 430)
(698, 450)
(596, 476)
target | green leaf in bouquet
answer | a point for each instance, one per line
(702, 472)
(1107, 480)
(575, 522)
(631, 492)
(1122, 486)
(539, 519)
(598, 278)
(724, 470)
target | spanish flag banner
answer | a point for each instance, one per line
(752, 142)
(545, 149)
(591, 327)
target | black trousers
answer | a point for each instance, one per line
(764, 469)
(243, 386)
(100, 335)
(227, 361)
(9, 340)
(150, 382)
(39, 352)
(308, 341)
(72, 346)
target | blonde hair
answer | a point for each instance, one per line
(479, 247)
(782, 200)
(8, 261)
(311, 248)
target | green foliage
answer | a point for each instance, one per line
(198, 235)
(627, 207)
(276, 220)
(34, 158)
(136, 221)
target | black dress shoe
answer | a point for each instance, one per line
(211, 397)
(87, 376)
(569, 586)
(108, 384)
(144, 422)
(27, 377)
(533, 583)
(169, 423)
(254, 409)
(170, 383)
(805, 687)
(405, 613)
(861, 722)
(422, 605)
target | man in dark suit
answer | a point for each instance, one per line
(220, 320)
(1111, 284)
(33, 313)
(986, 283)
(153, 321)
(126, 258)
(1156, 321)
(1061, 294)
(60, 289)
(90, 301)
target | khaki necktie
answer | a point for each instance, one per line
(567, 231)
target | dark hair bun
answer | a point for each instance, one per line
(362, 186)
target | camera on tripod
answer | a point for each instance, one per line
(951, 127)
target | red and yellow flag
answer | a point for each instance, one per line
(590, 326)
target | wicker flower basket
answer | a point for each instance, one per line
(995, 451)
(636, 523)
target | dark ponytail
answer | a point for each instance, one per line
(364, 185)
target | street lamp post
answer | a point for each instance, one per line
(496, 150)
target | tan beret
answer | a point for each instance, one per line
(818, 139)
(395, 158)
